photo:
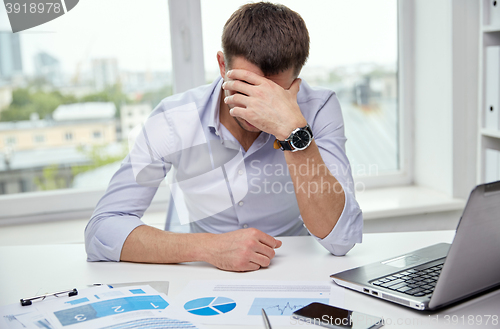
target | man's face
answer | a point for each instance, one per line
(283, 79)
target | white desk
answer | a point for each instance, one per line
(30, 270)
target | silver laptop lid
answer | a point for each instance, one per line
(473, 261)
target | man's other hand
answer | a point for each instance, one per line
(242, 250)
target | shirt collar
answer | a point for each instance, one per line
(214, 119)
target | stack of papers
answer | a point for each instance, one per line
(99, 307)
(210, 302)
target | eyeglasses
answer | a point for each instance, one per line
(28, 301)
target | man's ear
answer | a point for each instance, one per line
(222, 64)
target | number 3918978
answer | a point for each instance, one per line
(33, 8)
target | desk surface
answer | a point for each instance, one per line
(30, 270)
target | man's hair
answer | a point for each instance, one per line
(271, 36)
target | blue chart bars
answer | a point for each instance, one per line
(109, 307)
(208, 306)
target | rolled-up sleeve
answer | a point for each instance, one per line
(328, 129)
(119, 212)
(347, 232)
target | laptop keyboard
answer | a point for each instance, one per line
(414, 282)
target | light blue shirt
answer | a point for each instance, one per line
(216, 186)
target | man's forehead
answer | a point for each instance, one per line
(284, 79)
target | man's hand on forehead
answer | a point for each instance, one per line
(264, 103)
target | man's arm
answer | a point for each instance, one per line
(116, 232)
(241, 250)
(320, 196)
(266, 105)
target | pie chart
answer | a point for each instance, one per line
(208, 306)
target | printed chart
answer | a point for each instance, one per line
(109, 307)
(281, 306)
(208, 306)
(239, 302)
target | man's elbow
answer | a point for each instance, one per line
(96, 249)
(340, 250)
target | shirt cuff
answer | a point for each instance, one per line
(348, 231)
(105, 238)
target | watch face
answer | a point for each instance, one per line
(301, 139)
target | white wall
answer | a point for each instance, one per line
(433, 91)
(445, 96)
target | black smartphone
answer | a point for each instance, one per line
(334, 317)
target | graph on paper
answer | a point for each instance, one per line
(208, 306)
(281, 306)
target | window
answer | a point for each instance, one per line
(10, 140)
(143, 68)
(354, 52)
(96, 134)
(69, 62)
(39, 139)
(23, 185)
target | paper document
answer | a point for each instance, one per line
(99, 307)
(240, 302)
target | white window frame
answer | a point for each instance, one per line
(187, 58)
(404, 175)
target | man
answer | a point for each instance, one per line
(223, 141)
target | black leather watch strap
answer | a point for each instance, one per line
(285, 145)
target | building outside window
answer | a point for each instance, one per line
(62, 85)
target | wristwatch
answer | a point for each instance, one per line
(298, 140)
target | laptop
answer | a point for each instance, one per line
(442, 274)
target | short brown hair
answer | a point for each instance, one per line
(271, 36)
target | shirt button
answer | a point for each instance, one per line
(240, 203)
(240, 172)
(245, 225)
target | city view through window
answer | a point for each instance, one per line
(71, 90)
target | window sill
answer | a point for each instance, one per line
(65, 205)
(405, 201)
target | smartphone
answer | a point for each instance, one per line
(334, 317)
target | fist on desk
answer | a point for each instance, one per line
(242, 250)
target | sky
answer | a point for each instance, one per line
(342, 32)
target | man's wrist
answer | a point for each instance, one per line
(198, 247)
(288, 129)
(204, 251)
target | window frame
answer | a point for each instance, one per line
(405, 174)
(68, 204)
